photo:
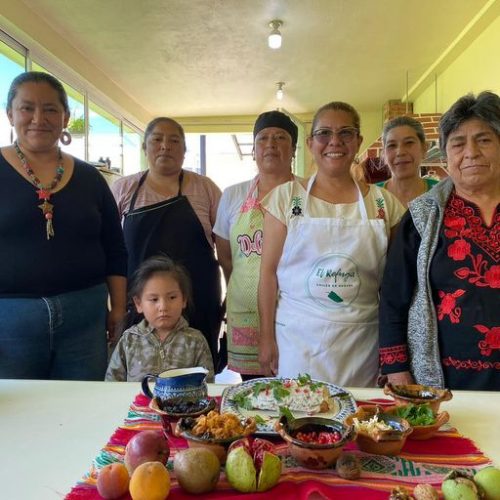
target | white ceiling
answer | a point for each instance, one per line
(210, 57)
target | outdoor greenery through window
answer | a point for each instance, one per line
(108, 136)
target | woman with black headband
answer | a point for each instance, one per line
(239, 233)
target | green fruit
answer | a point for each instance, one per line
(459, 489)
(197, 470)
(240, 470)
(270, 472)
(489, 480)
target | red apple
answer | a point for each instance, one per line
(146, 446)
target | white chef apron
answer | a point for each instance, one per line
(327, 314)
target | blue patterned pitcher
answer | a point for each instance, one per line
(186, 384)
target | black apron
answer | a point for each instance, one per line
(172, 228)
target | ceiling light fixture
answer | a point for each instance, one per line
(274, 39)
(279, 92)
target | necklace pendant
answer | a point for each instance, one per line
(43, 194)
(46, 207)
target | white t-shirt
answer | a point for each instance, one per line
(287, 201)
(229, 208)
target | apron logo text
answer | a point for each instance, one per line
(249, 245)
(339, 274)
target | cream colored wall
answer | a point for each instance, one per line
(477, 68)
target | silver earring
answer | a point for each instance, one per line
(65, 138)
(12, 135)
(356, 160)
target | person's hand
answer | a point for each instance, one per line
(400, 378)
(268, 358)
(114, 322)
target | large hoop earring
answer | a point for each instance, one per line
(65, 138)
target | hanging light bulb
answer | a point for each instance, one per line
(279, 92)
(274, 39)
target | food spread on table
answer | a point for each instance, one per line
(266, 398)
(295, 394)
(144, 460)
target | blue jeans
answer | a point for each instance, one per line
(62, 337)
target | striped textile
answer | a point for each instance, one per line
(420, 462)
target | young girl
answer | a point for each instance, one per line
(163, 340)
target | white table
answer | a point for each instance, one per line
(50, 431)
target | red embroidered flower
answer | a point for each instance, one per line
(492, 276)
(459, 249)
(381, 213)
(447, 306)
(454, 223)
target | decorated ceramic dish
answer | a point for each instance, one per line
(179, 409)
(262, 398)
(214, 431)
(418, 394)
(315, 442)
(378, 432)
(424, 421)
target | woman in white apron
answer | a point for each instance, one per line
(239, 235)
(321, 270)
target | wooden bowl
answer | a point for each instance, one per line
(381, 442)
(421, 432)
(314, 455)
(418, 394)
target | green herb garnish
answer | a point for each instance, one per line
(243, 401)
(416, 414)
(305, 379)
(279, 392)
(258, 387)
(284, 411)
(260, 420)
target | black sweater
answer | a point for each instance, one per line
(88, 244)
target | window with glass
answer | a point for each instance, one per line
(105, 145)
(12, 63)
(225, 158)
(133, 160)
(112, 141)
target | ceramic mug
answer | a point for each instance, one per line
(188, 384)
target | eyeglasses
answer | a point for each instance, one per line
(346, 135)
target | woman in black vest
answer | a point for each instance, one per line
(171, 211)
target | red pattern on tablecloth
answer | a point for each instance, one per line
(420, 461)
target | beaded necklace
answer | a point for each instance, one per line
(44, 192)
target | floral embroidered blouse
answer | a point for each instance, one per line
(465, 285)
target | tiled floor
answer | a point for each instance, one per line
(228, 377)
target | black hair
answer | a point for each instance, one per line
(37, 77)
(156, 265)
(485, 107)
(152, 124)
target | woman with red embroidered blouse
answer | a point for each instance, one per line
(439, 307)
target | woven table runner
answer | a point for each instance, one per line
(420, 462)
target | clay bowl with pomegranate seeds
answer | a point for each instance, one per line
(418, 394)
(378, 432)
(315, 442)
(420, 431)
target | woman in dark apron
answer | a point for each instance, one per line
(159, 218)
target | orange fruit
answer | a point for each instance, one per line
(150, 481)
(113, 480)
